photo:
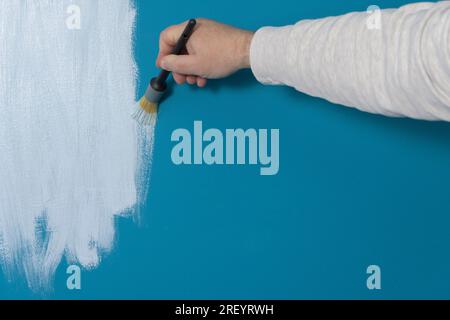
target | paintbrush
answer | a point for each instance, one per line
(147, 108)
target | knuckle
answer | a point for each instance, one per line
(164, 35)
(202, 20)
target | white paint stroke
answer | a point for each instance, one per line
(71, 156)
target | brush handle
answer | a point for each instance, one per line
(160, 82)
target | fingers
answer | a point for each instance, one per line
(168, 40)
(179, 78)
(185, 68)
(192, 80)
(201, 82)
(184, 64)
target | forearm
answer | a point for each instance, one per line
(401, 69)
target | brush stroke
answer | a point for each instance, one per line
(72, 158)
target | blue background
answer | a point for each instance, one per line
(354, 189)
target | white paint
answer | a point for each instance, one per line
(71, 156)
(399, 69)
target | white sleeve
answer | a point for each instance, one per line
(397, 67)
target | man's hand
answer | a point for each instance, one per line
(214, 51)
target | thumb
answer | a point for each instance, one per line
(184, 64)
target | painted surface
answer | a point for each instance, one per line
(69, 148)
(353, 190)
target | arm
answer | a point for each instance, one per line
(401, 69)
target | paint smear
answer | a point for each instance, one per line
(72, 158)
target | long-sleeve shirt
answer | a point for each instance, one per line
(394, 62)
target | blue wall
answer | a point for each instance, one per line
(353, 190)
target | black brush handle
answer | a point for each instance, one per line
(159, 83)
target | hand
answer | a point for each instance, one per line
(214, 51)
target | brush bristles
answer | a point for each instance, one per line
(149, 107)
(145, 112)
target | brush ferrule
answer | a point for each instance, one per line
(155, 91)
